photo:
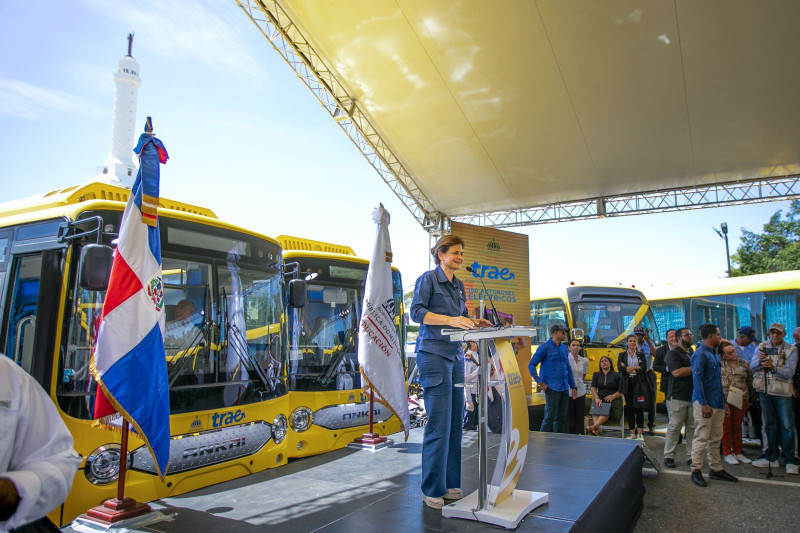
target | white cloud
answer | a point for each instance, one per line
(181, 30)
(21, 99)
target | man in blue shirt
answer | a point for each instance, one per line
(708, 403)
(556, 379)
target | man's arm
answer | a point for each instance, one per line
(786, 372)
(537, 358)
(43, 462)
(674, 367)
(698, 369)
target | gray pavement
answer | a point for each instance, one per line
(673, 503)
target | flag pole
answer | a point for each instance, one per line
(123, 461)
(371, 409)
(115, 510)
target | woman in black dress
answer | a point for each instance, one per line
(633, 368)
(605, 388)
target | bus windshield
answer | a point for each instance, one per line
(609, 323)
(221, 336)
(323, 335)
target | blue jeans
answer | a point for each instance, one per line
(780, 427)
(441, 446)
(555, 411)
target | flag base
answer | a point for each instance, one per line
(371, 441)
(115, 510)
(508, 513)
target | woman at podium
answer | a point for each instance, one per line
(440, 302)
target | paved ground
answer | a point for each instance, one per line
(673, 503)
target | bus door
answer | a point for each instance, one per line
(31, 263)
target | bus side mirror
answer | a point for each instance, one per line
(95, 267)
(297, 293)
(577, 333)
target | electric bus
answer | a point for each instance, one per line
(755, 301)
(602, 317)
(329, 409)
(224, 294)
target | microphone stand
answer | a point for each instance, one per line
(496, 316)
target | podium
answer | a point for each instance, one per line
(499, 502)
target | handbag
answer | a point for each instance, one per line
(735, 397)
(604, 409)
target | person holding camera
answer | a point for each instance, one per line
(632, 367)
(773, 368)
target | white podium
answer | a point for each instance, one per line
(499, 503)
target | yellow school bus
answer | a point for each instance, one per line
(329, 409)
(755, 301)
(601, 316)
(224, 294)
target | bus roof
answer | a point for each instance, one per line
(92, 190)
(760, 282)
(290, 254)
(298, 243)
(69, 203)
(576, 292)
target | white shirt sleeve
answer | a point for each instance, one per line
(36, 449)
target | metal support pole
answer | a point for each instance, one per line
(123, 461)
(728, 254)
(483, 448)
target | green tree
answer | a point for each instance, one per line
(775, 249)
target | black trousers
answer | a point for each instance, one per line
(651, 406)
(471, 418)
(754, 409)
(634, 415)
(575, 414)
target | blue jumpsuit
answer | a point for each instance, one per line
(441, 366)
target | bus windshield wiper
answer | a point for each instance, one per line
(237, 340)
(336, 358)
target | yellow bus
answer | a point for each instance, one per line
(601, 316)
(731, 303)
(228, 396)
(324, 380)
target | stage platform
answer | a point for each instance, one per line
(595, 484)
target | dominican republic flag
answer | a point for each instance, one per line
(129, 362)
(378, 343)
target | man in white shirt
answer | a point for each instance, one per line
(37, 459)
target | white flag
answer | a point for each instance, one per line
(379, 349)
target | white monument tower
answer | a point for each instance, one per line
(120, 164)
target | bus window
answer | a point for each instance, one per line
(21, 323)
(782, 307)
(669, 314)
(610, 322)
(545, 313)
(324, 358)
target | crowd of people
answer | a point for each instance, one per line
(712, 392)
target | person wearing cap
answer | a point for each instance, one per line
(646, 346)
(555, 378)
(746, 343)
(746, 348)
(773, 372)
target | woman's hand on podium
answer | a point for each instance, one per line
(460, 322)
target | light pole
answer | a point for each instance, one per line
(724, 235)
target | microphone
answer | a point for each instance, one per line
(496, 317)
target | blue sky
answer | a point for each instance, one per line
(248, 140)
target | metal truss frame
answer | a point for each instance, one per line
(716, 195)
(281, 32)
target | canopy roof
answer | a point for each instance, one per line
(480, 107)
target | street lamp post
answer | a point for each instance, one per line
(724, 235)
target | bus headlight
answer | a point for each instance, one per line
(102, 466)
(279, 429)
(301, 419)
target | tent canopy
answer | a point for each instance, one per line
(506, 105)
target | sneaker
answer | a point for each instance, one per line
(731, 459)
(452, 494)
(651, 431)
(632, 436)
(763, 463)
(433, 503)
(639, 437)
(792, 469)
(742, 459)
